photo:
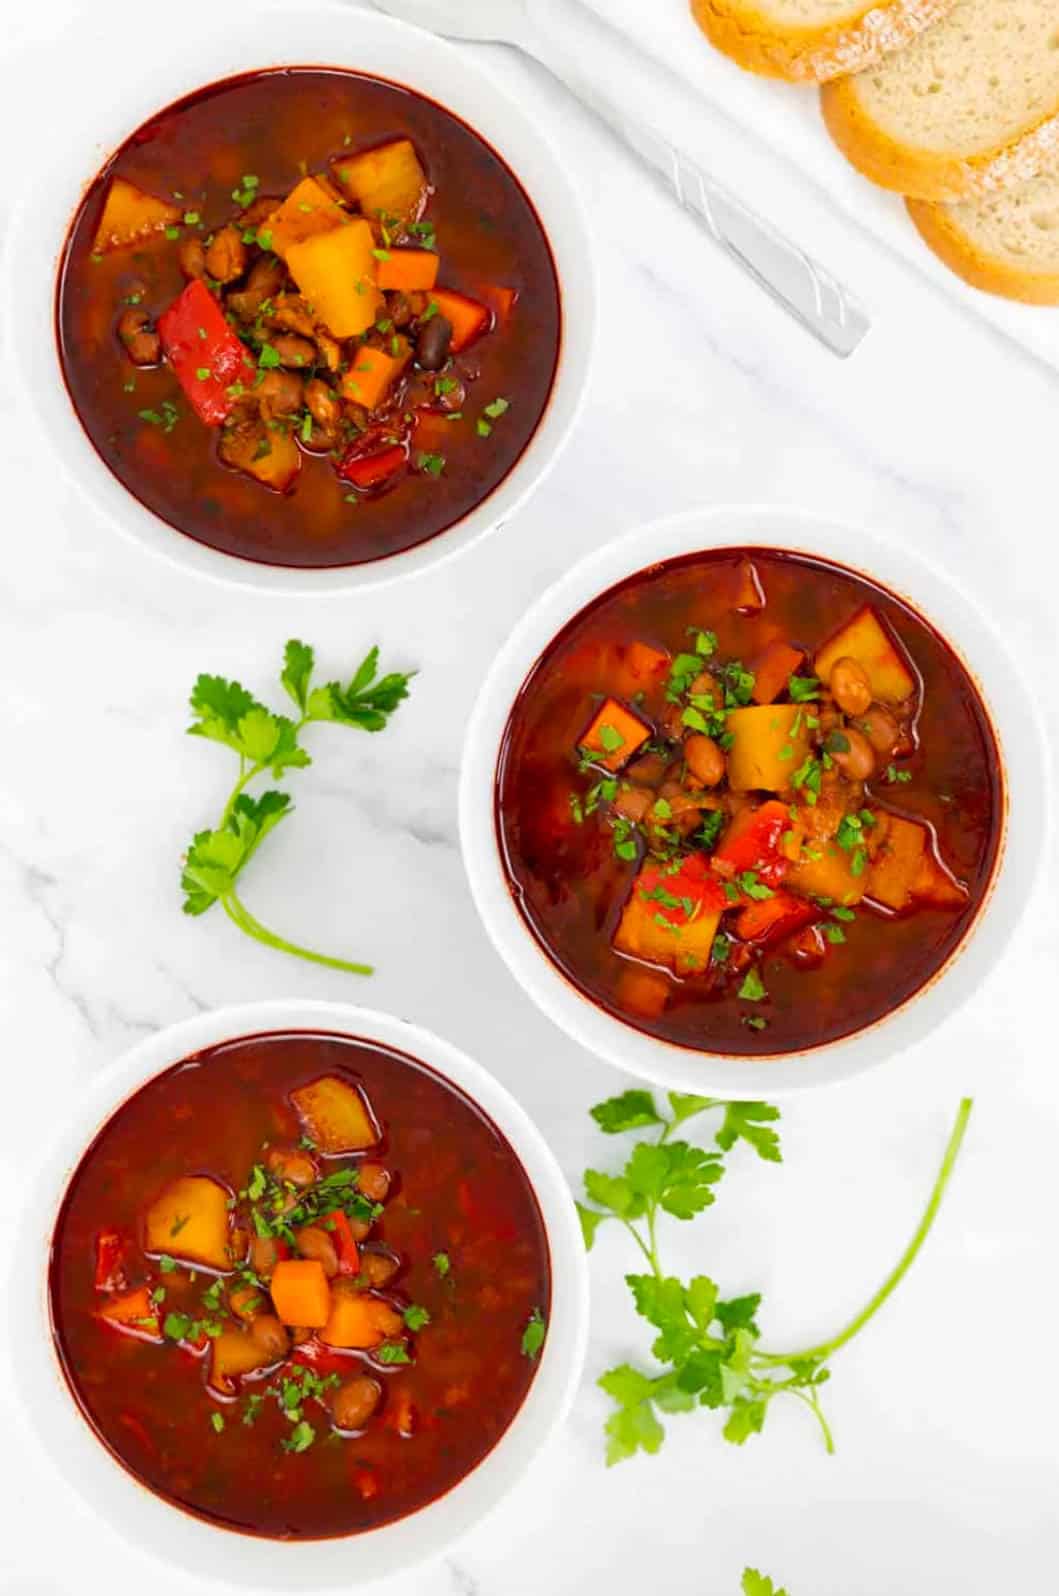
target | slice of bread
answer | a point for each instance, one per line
(1007, 244)
(969, 107)
(811, 41)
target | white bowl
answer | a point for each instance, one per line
(1015, 725)
(313, 34)
(191, 1543)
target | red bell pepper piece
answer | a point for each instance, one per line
(767, 920)
(324, 1360)
(693, 883)
(752, 842)
(372, 470)
(205, 355)
(110, 1262)
(345, 1245)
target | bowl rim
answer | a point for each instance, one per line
(1017, 729)
(289, 35)
(210, 1551)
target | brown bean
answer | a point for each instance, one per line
(379, 1268)
(632, 803)
(226, 255)
(191, 255)
(705, 760)
(292, 1164)
(374, 1181)
(142, 344)
(857, 759)
(271, 1336)
(263, 1256)
(649, 771)
(881, 729)
(355, 1401)
(323, 404)
(312, 1241)
(246, 1302)
(432, 343)
(294, 351)
(399, 309)
(292, 314)
(279, 393)
(850, 686)
(259, 210)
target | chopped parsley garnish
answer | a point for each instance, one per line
(217, 1422)
(416, 1317)
(392, 1352)
(442, 1264)
(803, 689)
(533, 1335)
(752, 987)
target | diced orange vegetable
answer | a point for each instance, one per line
(826, 871)
(373, 373)
(501, 300)
(767, 920)
(335, 1114)
(865, 639)
(773, 669)
(769, 743)
(268, 454)
(672, 919)
(387, 181)
(300, 1292)
(232, 1353)
(935, 885)
(130, 215)
(898, 862)
(336, 273)
(615, 735)
(132, 1312)
(644, 992)
(412, 271)
(190, 1221)
(359, 1320)
(311, 207)
(468, 319)
(747, 592)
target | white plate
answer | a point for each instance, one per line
(1015, 725)
(314, 34)
(191, 1543)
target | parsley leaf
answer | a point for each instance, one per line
(224, 712)
(533, 1335)
(750, 1122)
(628, 1112)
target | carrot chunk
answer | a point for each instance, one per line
(132, 1312)
(773, 669)
(468, 319)
(359, 1320)
(300, 1292)
(615, 735)
(411, 271)
(373, 373)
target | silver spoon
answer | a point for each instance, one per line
(793, 279)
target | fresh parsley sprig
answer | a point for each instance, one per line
(708, 1346)
(224, 712)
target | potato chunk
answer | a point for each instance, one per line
(898, 862)
(130, 215)
(826, 871)
(672, 919)
(336, 272)
(309, 208)
(336, 1115)
(769, 743)
(865, 639)
(232, 1353)
(189, 1221)
(268, 454)
(387, 181)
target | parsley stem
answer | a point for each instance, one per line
(904, 1263)
(240, 915)
(811, 1400)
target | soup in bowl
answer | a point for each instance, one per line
(317, 325)
(747, 801)
(304, 1285)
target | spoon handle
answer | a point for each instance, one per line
(586, 53)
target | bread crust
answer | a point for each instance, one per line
(939, 229)
(871, 30)
(926, 174)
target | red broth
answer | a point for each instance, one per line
(273, 128)
(631, 868)
(459, 1237)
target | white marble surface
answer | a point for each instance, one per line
(946, 1411)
